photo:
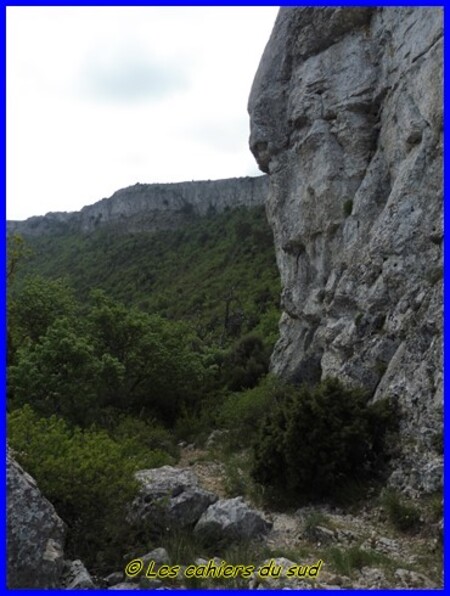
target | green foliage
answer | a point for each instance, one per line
(35, 305)
(112, 357)
(162, 366)
(314, 441)
(159, 329)
(18, 252)
(346, 561)
(238, 479)
(241, 413)
(87, 476)
(314, 519)
(402, 515)
(245, 363)
(60, 374)
(146, 435)
(185, 274)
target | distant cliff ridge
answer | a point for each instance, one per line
(151, 207)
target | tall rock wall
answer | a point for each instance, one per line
(346, 118)
(151, 207)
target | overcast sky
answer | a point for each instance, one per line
(102, 98)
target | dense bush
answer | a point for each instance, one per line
(313, 441)
(61, 374)
(86, 475)
(102, 355)
(245, 363)
(34, 306)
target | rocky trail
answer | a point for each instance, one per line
(206, 537)
(365, 543)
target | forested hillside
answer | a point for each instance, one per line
(218, 274)
(121, 345)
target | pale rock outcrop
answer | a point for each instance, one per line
(346, 117)
(169, 497)
(76, 576)
(35, 533)
(151, 207)
(230, 520)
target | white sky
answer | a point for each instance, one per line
(99, 98)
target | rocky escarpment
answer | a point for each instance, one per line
(151, 207)
(35, 533)
(346, 117)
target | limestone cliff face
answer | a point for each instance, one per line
(151, 207)
(346, 117)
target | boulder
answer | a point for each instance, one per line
(76, 576)
(35, 533)
(114, 578)
(169, 498)
(230, 520)
(159, 555)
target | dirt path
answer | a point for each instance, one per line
(211, 473)
(394, 559)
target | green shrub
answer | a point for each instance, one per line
(241, 412)
(146, 435)
(403, 516)
(348, 560)
(314, 519)
(312, 441)
(86, 475)
(245, 363)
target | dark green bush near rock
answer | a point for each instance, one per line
(314, 441)
(245, 363)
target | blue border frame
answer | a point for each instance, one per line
(5, 4)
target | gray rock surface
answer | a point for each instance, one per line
(169, 497)
(230, 520)
(76, 576)
(346, 117)
(114, 578)
(159, 555)
(35, 533)
(151, 207)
